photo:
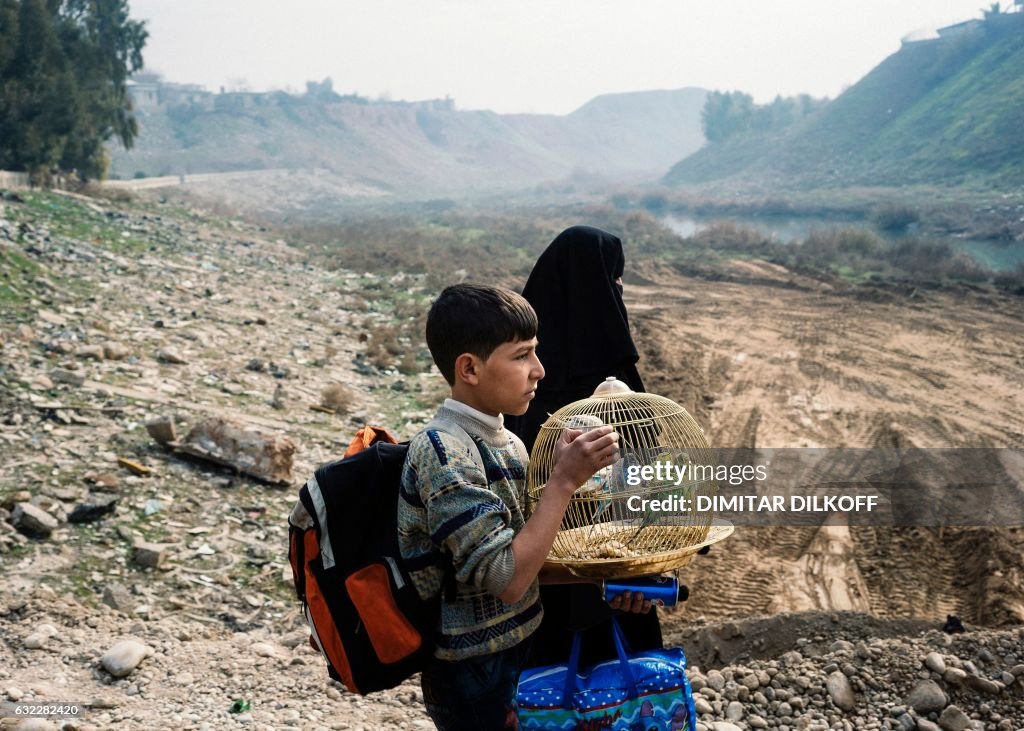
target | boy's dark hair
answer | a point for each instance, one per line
(475, 318)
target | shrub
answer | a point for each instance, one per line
(895, 216)
(337, 398)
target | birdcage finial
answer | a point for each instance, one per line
(611, 386)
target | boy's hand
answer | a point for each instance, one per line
(579, 455)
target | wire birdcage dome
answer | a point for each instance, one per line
(637, 516)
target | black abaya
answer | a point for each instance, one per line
(583, 338)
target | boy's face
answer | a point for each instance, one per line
(507, 380)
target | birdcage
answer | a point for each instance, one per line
(639, 515)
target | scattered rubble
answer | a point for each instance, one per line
(189, 562)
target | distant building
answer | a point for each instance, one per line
(435, 105)
(238, 100)
(145, 95)
(149, 93)
(185, 95)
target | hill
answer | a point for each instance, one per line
(420, 147)
(942, 111)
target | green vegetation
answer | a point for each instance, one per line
(848, 254)
(64, 65)
(502, 247)
(732, 115)
(17, 278)
(939, 112)
(72, 218)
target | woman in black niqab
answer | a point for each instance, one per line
(583, 338)
(576, 289)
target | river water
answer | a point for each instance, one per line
(998, 256)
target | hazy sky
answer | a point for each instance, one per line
(532, 55)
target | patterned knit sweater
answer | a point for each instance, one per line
(447, 503)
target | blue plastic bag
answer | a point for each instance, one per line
(645, 691)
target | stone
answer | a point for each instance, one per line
(35, 724)
(841, 646)
(906, 722)
(71, 378)
(734, 711)
(106, 481)
(96, 507)
(90, 352)
(41, 382)
(162, 429)
(954, 676)
(756, 721)
(784, 709)
(702, 706)
(264, 649)
(724, 726)
(926, 696)
(750, 681)
(153, 555)
(121, 659)
(716, 681)
(113, 350)
(171, 355)
(934, 662)
(9, 501)
(953, 719)
(840, 690)
(983, 685)
(35, 641)
(116, 596)
(14, 694)
(33, 521)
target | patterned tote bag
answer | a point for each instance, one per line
(645, 691)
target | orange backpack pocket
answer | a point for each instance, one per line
(392, 635)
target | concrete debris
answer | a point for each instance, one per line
(266, 457)
(162, 429)
(150, 555)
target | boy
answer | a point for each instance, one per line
(483, 340)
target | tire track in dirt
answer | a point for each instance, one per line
(763, 364)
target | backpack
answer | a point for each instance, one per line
(364, 614)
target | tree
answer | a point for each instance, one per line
(993, 11)
(64, 65)
(728, 115)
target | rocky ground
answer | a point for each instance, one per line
(152, 588)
